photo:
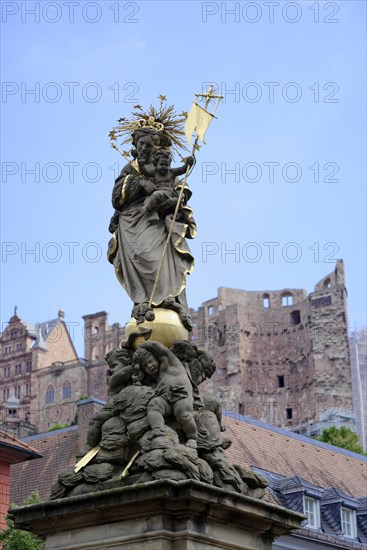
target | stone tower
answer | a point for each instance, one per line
(99, 339)
(282, 356)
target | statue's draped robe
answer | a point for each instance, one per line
(138, 241)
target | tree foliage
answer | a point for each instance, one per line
(342, 437)
(58, 427)
(17, 539)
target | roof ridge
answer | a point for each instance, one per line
(288, 433)
(42, 435)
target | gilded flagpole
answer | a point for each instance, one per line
(208, 96)
(171, 226)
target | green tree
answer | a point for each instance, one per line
(342, 437)
(58, 427)
(17, 539)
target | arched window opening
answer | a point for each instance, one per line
(50, 394)
(287, 299)
(327, 283)
(66, 390)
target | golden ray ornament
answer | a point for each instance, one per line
(164, 120)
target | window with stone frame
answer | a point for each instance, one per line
(287, 299)
(50, 394)
(311, 508)
(266, 301)
(66, 390)
(348, 521)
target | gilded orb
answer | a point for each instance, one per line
(166, 328)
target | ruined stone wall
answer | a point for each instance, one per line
(330, 345)
(99, 337)
(281, 356)
(95, 327)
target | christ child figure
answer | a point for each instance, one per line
(173, 393)
(165, 195)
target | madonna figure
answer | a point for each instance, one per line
(139, 233)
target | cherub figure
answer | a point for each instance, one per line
(121, 371)
(173, 393)
(199, 366)
(165, 196)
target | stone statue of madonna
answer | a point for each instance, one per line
(140, 233)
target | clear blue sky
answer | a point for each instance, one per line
(297, 75)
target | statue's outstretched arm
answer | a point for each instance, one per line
(182, 169)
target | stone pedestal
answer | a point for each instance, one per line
(160, 515)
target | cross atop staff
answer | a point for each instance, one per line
(209, 95)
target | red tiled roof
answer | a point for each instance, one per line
(17, 447)
(289, 455)
(58, 451)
